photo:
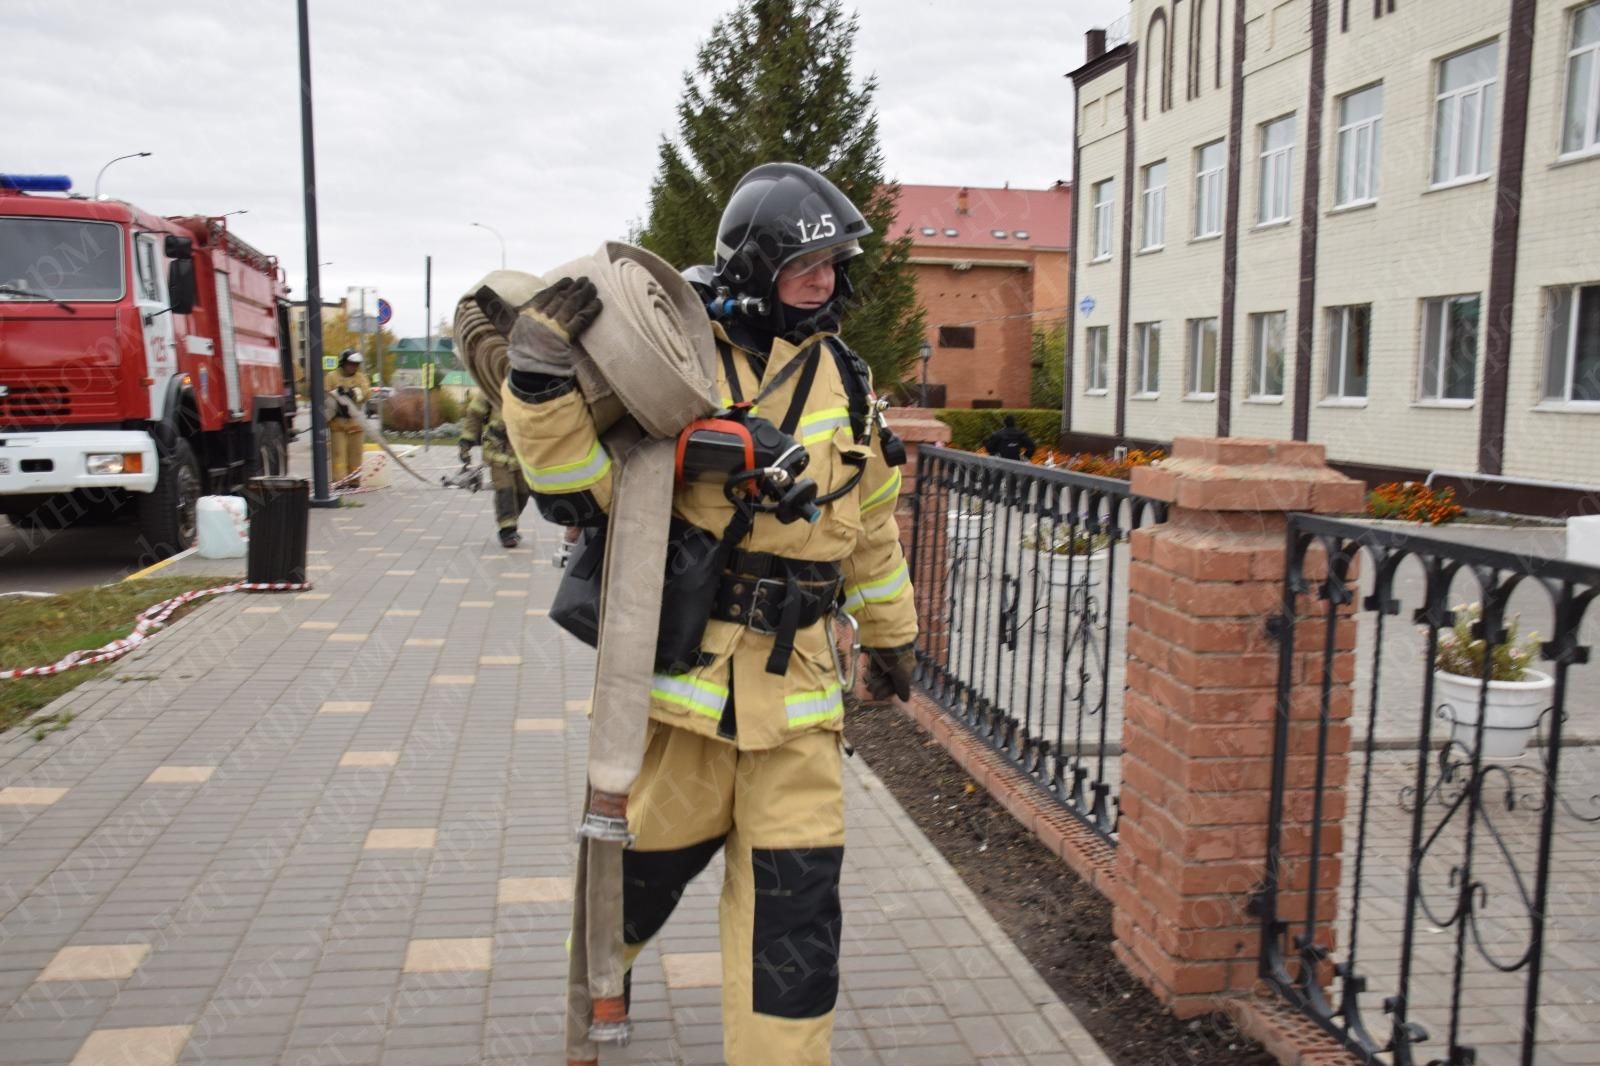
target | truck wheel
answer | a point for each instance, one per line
(271, 456)
(167, 515)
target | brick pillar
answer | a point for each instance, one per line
(1199, 714)
(917, 427)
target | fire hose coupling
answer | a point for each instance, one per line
(611, 1024)
(606, 819)
(725, 306)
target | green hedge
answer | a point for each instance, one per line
(970, 428)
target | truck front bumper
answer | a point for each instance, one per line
(58, 460)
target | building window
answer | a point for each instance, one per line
(1572, 344)
(1210, 161)
(1266, 355)
(1463, 133)
(1105, 199)
(1580, 123)
(958, 336)
(1099, 345)
(1155, 206)
(1202, 367)
(1148, 371)
(1275, 168)
(1348, 332)
(1360, 139)
(1449, 348)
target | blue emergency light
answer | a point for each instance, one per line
(36, 182)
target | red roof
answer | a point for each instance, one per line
(993, 218)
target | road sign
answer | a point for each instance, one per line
(330, 362)
(1086, 305)
(385, 312)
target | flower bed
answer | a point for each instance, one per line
(1412, 501)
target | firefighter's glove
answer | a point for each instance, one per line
(889, 672)
(542, 338)
(464, 450)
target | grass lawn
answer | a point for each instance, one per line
(39, 632)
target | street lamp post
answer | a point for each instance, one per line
(497, 237)
(241, 211)
(120, 158)
(925, 353)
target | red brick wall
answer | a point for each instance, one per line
(998, 302)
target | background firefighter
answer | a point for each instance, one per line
(744, 750)
(347, 389)
(484, 428)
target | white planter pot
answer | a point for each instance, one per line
(1510, 715)
(1085, 569)
(963, 528)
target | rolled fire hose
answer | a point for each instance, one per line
(650, 355)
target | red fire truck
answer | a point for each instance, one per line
(144, 362)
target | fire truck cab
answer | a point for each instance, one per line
(144, 362)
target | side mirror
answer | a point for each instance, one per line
(181, 292)
(179, 247)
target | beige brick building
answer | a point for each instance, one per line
(1369, 223)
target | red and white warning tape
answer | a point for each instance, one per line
(150, 620)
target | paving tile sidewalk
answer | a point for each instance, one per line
(335, 827)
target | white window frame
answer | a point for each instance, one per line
(1575, 298)
(1208, 192)
(1194, 369)
(1275, 176)
(1358, 183)
(1097, 343)
(1104, 219)
(1256, 387)
(1339, 318)
(1148, 375)
(1590, 143)
(1431, 392)
(1154, 203)
(1483, 136)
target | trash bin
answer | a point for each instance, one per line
(280, 509)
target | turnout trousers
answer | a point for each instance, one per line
(778, 816)
(511, 495)
(345, 445)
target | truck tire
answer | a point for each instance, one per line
(167, 516)
(271, 455)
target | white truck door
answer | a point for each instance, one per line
(160, 351)
(230, 346)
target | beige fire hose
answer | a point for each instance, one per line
(649, 356)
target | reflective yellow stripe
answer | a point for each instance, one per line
(820, 425)
(691, 693)
(889, 490)
(808, 708)
(570, 477)
(877, 591)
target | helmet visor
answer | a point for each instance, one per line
(806, 262)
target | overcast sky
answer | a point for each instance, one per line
(539, 119)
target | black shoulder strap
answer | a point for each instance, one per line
(857, 380)
(802, 391)
(730, 370)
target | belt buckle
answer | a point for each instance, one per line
(756, 620)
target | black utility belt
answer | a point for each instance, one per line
(769, 593)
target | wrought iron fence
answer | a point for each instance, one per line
(1017, 570)
(1466, 891)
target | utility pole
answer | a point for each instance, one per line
(427, 350)
(319, 421)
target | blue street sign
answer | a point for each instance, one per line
(385, 312)
(1086, 305)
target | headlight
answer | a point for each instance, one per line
(120, 463)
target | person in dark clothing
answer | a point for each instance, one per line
(1009, 442)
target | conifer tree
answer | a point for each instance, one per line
(773, 82)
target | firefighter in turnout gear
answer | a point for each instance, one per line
(744, 753)
(486, 430)
(347, 389)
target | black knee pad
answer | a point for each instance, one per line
(653, 883)
(796, 935)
